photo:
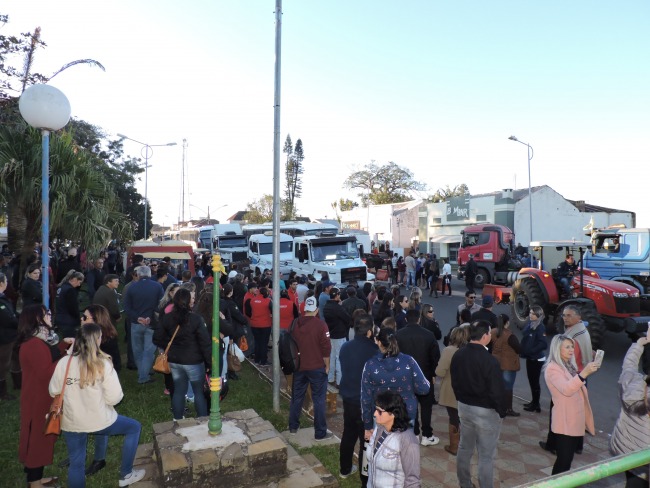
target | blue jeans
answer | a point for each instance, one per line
(509, 379)
(566, 285)
(193, 374)
(410, 280)
(317, 378)
(480, 428)
(335, 365)
(76, 443)
(143, 350)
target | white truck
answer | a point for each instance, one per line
(337, 254)
(260, 253)
(227, 240)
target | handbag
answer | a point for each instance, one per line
(161, 365)
(234, 364)
(53, 417)
(243, 343)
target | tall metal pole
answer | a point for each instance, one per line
(45, 223)
(214, 423)
(276, 206)
(530, 193)
(146, 182)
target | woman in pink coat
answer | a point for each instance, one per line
(571, 414)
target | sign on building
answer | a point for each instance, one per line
(458, 208)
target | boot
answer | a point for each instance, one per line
(454, 439)
(3, 391)
(510, 412)
(17, 379)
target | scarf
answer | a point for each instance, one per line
(535, 323)
(47, 335)
(570, 368)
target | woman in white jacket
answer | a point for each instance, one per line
(92, 389)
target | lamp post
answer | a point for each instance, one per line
(48, 109)
(530, 193)
(147, 152)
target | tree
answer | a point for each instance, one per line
(260, 211)
(388, 183)
(446, 193)
(345, 204)
(293, 169)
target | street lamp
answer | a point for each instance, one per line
(530, 193)
(48, 109)
(147, 152)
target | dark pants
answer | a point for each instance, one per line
(633, 481)
(469, 282)
(551, 439)
(565, 446)
(261, 335)
(446, 284)
(454, 419)
(426, 406)
(353, 431)
(130, 360)
(317, 378)
(533, 370)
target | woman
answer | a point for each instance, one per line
(39, 350)
(97, 314)
(8, 334)
(458, 337)
(31, 289)
(390, 370)
(414, 299)
(166, 304)
(506, 348)
(385, 309)
(189, 353)
(428, 321)
(399, 311)
(92, 390)
(258, 310)
(571, 412)
(632, 429)
(533, 350)
(67, 304)
(446, 276)
(394, 457)
(288, 310)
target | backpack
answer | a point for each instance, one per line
(288, 352)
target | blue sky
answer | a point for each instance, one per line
(435, 86)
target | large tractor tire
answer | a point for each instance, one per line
(482, 278)
(526, 293)
(595, 324)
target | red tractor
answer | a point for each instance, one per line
(604, 304)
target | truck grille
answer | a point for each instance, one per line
(353, 274)
(239, 256)
(627, 305)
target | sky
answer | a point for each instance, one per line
(435, 86)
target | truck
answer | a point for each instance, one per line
(337, 254)
(492, 247)
(260, 253)
(227, 240)
(181, 254)
(622, 254)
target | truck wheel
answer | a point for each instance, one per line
(481, 279)
(526, 293)
(596, 325)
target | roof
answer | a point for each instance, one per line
(588, 207)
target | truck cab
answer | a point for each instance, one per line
(260, 253)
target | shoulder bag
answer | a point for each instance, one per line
(53, 417)
(162, 365)
(234, 363)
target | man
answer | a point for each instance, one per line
(312, 338)
(292, 291)
(324, 297)
(353, 357)
(253, 291)
(130, 360)
(95, 277)
(393, 263)
(108, 297)
(477, 382)
(409, 262)
(136, 260)
(353, 302)
(422, 345)
(186, 276)
(71, 262)
(338, 322)
(169, 278)
(470, 304)
(140, 303)
(565, 271)
(302, 289)
(434, 274)
(471, 270)
(486, 313)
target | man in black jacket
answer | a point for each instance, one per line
(422, 345)
(338, 322)
(478, 385)
(486, 313)
(471, 270)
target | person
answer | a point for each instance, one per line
(465, 319)
(8, 334)
(384, 308)
(471, 270)
(394, 458)
(189, 354)
(434, 274)
(429, 322)
(470, 304)
(393, 262)
(446, 275)
(97, 314)
(571, 411)
(107, 297)
(140, 304)
(69, 264)
(353, 357)
(390, 370)
(312, 338)
(353, 302)
(415, 299)
(409, 262)
(39, 349)
(417, 342)
(565, 271)
(506, 348)
(31, 289)
(400, 306)
(95, 277)
(67, 304)
(533, 350)
(478, 385)
(338, 322)
(458, 337)
(258, 310)
(324, 296)
(632, 430)
(92, 390)
(401, 271)
(486, 313)
(302, 289)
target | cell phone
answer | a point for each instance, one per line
(599, 357)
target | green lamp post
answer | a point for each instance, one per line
(214, 424)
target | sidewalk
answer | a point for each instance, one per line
(519, 458)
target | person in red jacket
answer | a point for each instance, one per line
(288, 310)
(292, 291)
(258, 309)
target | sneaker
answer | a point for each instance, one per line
(430, 441)
(328, 436)
(293, 431)
(352, 471)
(133, 477)
(166, 392)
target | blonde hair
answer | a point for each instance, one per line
(90, 356)
(73, 273)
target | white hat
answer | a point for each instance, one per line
(232, 274)
(311, 305)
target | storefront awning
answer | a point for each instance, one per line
(446, 239)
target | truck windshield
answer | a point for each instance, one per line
(267, 247)
(335, 250)
(227, 242)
